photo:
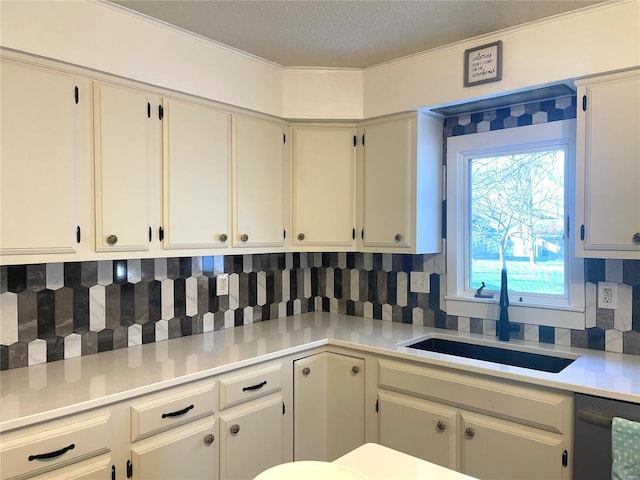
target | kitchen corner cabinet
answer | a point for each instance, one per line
(259, 193)
(328, 396)
(608, 166)
(323, 187)
(489, 429)
(127, 163)
(44, 161)
(196, 175)
(401, 186)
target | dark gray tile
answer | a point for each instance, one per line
(36, 277)
(141, 302)
(631, 342)
(27, 316)
(112, 307)
(17, 355)
(63, 311)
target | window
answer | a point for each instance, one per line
(509, 202)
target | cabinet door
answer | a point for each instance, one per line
(44, 160)
(251, 438)
(259, 192)
(497, 449)
(127, 137)
(328, 406)
(608, 167)
(196, 175)
(387, 186)
(323, 200)
(417, 427)
(188, 452)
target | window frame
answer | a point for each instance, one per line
(534, 310)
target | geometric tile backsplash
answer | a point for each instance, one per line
(54, 311)
(63, 310)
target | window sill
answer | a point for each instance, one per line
(547, 315)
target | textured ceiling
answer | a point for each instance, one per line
(336, 33)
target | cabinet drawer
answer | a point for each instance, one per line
(542, 408)
(169, 410)
(45, 448)
(249, 384)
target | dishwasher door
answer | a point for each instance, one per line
(592, 441)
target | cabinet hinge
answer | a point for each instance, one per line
(283, 408)
(355, 140)
(160, 112)
(77, 94)
(113, 472)
(148, 110)
(377, 405)
(565, 458)
(444, 220)
(78, 234)
(129, 469)
(584, 103)
(582, 232)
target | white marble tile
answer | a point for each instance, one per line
(417, 316)
(532, 333)
(105, 272)
(613, 270)
(591, 300)
(367, 261)
(440, 263)
(402, 289)
(168, 299)
(97, 305)
(368, 310)
(333, 305)
(247, 315)
(72, 346)
(282, 310)
(355, 285)
(218, 264)
(55, 276)
(8, 318)
(297, 306)
(234, 291)
(464, 324)
(162, 330)
(196, 266)
(429, 263)
(37, 352)
(208, 322)
(134, 335)
(261, 294)
(247, 263)
(191, 291)
(286, 285)
(443, 292)
(342, 260)
(317, 259)
(622, 318)
(160, 269)
(387, 312)
(613, 340)
(387, 262)
(563, 336)
(329, 282)
(489, 327)
(229, 319)
(134, 271)
(288, 261)
(307, 283)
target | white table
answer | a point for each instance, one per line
(383, 463)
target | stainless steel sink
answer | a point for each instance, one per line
(488, 353)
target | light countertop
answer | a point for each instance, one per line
(41, 392)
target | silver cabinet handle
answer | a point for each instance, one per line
(235, 428)
(355, 369)
(306, 371)
(442, 426)
(301, 236)
(208, 439)
(112, 240)
(244, 237)
(469, 433)
(223, 237)
(636, 237)
(398, 237)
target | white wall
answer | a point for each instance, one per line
(103, 37)
(590, 41)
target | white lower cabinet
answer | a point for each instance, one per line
(329, 406)
(486, 428)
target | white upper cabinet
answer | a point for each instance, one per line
(323, 187)
(127, 161)
(608, 166)
(259, 192)
(196, 175)
(44, 161)
(401, 190)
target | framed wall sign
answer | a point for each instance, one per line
(483, 64)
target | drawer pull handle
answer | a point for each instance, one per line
(255, 387)
(179, 412)
(57, 453)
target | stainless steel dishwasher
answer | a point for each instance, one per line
(592, 436)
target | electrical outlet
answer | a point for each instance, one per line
(607, 295)
(420, 282)
(222, 284)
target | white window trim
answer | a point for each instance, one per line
(461, 302)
